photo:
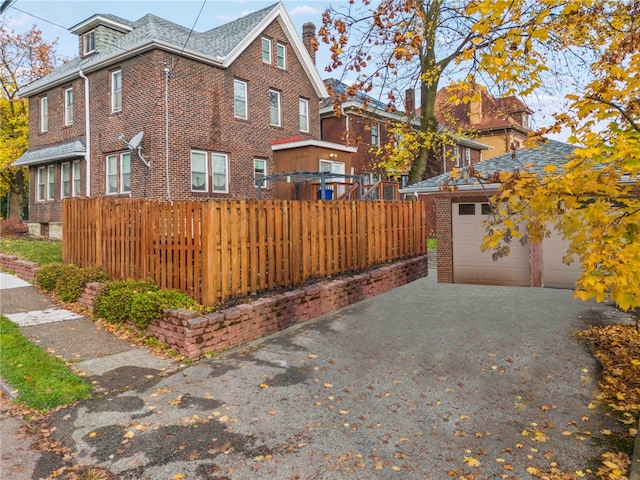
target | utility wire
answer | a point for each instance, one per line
(190, 33)
(36, 16)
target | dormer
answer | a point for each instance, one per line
(100, 32)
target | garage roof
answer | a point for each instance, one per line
(532, 160)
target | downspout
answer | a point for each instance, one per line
(87, 127)
(166, 130)
(444, 158)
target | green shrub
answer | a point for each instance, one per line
(48, 275)
(69, 285)
(114, 302)
(147, 306)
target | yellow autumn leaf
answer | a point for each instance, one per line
(129, 434)
(472, 462)
(178, 476)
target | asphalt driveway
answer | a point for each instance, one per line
(425, 381)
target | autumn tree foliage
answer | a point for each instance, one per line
(23, 58)
(393, 45)
(594, 201)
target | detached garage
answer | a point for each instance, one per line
(461, 206)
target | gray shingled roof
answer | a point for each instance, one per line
(75, 148)
(214, 44)
(532, 160)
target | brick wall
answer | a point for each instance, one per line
(193, 335)
(200, 106)
(22, 268)
(444, 239)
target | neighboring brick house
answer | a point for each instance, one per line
(364, 122)
(502, 123)
(152, 110)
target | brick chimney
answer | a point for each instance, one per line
(309, 39)
(475, 108)
(410, 101)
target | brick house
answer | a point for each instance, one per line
(503, 123)
(150, 109)
(364, 122)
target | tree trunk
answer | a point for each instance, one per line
(428, 162)
(16, 195)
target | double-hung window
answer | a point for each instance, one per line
(118, 171)
(240, 105)
(65, 180)
(51, 179)
(456, 155)
(42, 184)
(116, 91)
(281, 56)
(219, 171)
(68, 106)
(467, 156)
(266, 50)
(375, 134)
(259, 171)
(209, 168)
(199, 172)
(44, 114)
(89, 42)
(274, 108)
(70, 179)
(304, 114)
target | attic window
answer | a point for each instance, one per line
(89, 42)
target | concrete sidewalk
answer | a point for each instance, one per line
(108, 362)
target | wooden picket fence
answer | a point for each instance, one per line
(216, 250)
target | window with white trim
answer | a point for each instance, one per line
(274, 108)
(304, 114)
(281, 56)
(332, 167)
(219, 171)
(259, 171)
(116, 91)
(44, 114)
(51, 179)
(375, 134)
(209, 168)
(199, 173)
(75, 173)
(240, 105)
(266, 50)
(467, 156)
(456, 155)
(89, 42)
(42, 184)
(65, 180)
(68, 106)
(118, 173)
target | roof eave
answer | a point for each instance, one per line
(119, 56)
(314, 143)
(454, 188)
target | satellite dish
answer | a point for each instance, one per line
(134, 143)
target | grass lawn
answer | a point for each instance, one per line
(38, 251)
(43, 382)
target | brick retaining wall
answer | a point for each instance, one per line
(22, 268)
(192, 334)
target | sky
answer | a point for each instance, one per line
(54, 18)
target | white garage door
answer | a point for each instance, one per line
(556, 273)
(472, 265)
